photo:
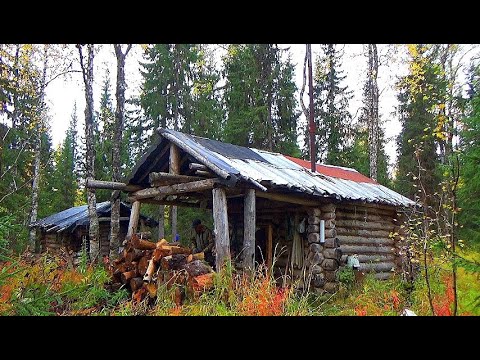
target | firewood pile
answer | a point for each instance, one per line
(146, 265)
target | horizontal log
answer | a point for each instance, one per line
(377, 267)
(370, 225)
(332, 253)
(362, 216)
(108, 218)
(384, 275)
(314, 212)
(286, 198)
(362, 233)
(313, 220)
(330, 233)
(331, 276)
(356, 240)
(162, 178)
(175, 189)
(202, 173)
(167, 202)
(328, 208)
(196, 166)
(330, 264)
(331, 287)
(370, 258)
(142, 244)
(331, 243)
(375, 209)
(313, 238)
(359, 249)
(329, 216)
(111, 185)
(313, 228)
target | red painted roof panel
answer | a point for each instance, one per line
(334, 171)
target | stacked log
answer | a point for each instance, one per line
(145, 265)
(368, 233)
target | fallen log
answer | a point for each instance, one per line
(142, 244)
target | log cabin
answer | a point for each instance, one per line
(303, 224)
(69, 228)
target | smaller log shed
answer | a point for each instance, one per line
(302, 224)
(69, 228)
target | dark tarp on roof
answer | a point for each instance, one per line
(69, 219)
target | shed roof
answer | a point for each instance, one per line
(277, 172)
(69, 219)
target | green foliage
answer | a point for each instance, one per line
(421, 93)
(260, 99)
(469, 187)
(331, 115)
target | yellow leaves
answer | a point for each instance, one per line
(441, 106)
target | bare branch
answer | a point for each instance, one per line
(304, 109)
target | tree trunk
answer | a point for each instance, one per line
(87, 71)
(373, 121)
(116, 149)
(34, 245)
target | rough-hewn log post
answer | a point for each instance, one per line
(269, 246)
(134, 216)
(220, 220)
(249, 219)
(174, 169)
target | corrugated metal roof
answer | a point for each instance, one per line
(78, 216)
(279, 171)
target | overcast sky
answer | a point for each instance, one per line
(61, 94)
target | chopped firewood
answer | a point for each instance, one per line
(142, 244)
(161, 242)
(197, 267)
(143, 265)
(150, 270)
(136, 283)
(201, 282)
(139, 295)
(126, 276)
(173, 262)
(152, 289)
(133, 255)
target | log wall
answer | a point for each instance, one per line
(367, 231)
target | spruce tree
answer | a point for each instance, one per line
(331, 114)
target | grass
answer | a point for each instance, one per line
(49, 285)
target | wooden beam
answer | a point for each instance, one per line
(249, 221)
(168, 202)
(195, 166)
(162, 178)
(111, 185)
(134, 215)
(205, 173)
(288, 198)
(174, 189)
(220, 221)
(269, 246)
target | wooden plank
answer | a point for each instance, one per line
(269, 245)
(162, 178)
(174, 189)
(249, 221)
(134, 216)
(111, 185)
(220, 220)
(287, 198)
